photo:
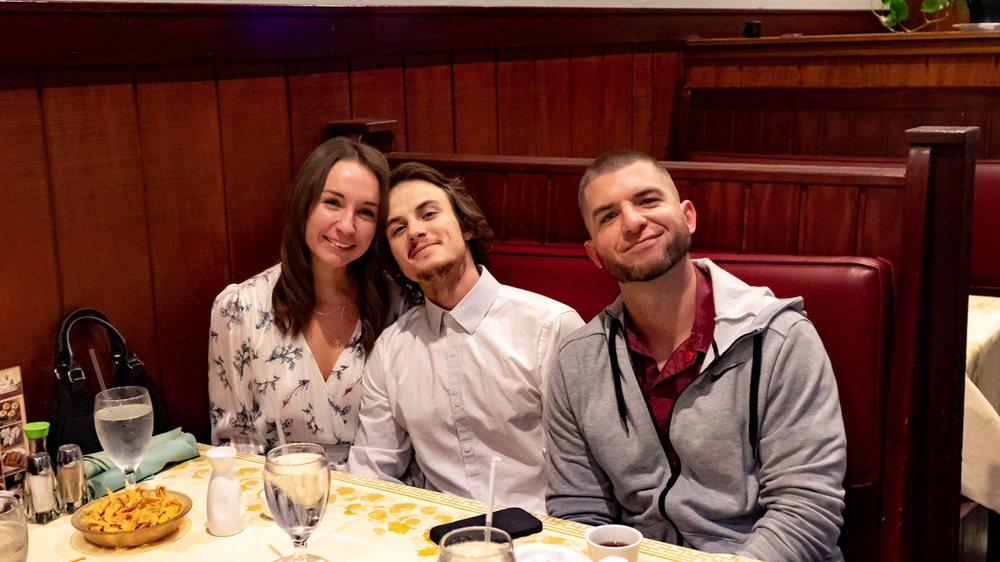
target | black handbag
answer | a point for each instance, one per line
(72, 416)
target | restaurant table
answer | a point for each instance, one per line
(366, 519)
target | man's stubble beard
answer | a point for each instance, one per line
(672, 254)
(442, 274)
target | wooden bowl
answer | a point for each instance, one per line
(135, 537)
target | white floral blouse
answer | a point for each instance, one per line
(260, 379)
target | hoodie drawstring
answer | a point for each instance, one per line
(616, 373)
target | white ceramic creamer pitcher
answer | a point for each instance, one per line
(225, 498)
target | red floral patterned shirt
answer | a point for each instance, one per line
(661, 387)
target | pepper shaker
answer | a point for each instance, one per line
(72, 480)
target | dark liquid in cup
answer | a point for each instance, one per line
(613, 543)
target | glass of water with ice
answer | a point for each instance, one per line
(297, 484)
(123, 417)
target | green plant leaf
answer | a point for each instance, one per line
(931, 6)
(900, 9)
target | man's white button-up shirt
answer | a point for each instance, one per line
(456, 388)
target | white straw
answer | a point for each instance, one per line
(100, 377)
(489, 497)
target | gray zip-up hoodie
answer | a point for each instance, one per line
(777, 496)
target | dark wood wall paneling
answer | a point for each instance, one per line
(857, 122)
(146, 149)
(99, 204)
(185, 198)
(119, 203)
(539, 205)
(840, 96)
(143, 182)
(30, 298)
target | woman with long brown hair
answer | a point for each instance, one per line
(287, 347)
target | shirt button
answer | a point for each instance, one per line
(689, 356)
(467, 448)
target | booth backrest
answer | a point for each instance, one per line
(858, 343)
(984, 270)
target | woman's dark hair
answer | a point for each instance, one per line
(470, 217)
(294, 296)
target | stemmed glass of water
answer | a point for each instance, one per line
(297, 484)
(123, 417)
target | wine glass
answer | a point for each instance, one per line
(297, 484)
(123, 417)
(471, 544)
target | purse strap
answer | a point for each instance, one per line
(67, 369)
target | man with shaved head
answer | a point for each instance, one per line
(700, 410)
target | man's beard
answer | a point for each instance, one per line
(446, 273)
(672, 254)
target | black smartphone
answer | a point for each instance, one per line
(516, 521)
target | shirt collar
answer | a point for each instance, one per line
(471, 310)
(704, 319)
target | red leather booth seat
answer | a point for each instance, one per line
(984, 272)
(848, 299)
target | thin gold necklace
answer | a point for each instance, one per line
(341, 308)
(340, 321)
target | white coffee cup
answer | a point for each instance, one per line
(613, 540)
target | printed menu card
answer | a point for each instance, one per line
(12, 444)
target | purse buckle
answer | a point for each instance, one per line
(73, 375)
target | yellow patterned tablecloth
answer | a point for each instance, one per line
(366, 519)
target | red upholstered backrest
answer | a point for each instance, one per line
(563, 273)
(984, 271)
(848, 299)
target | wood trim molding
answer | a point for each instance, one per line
(941, 98)
(853, 44)
(853, 176)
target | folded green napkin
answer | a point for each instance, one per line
(171, 446)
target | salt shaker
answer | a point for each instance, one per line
(72, 481)
(225, 497)
(43, 502)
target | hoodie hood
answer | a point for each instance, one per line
(747, 309)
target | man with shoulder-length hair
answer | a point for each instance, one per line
(459, 379)
(695, 408)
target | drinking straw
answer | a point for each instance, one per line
(489, 497)
(100, 377)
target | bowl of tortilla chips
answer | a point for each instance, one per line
(132, 518)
